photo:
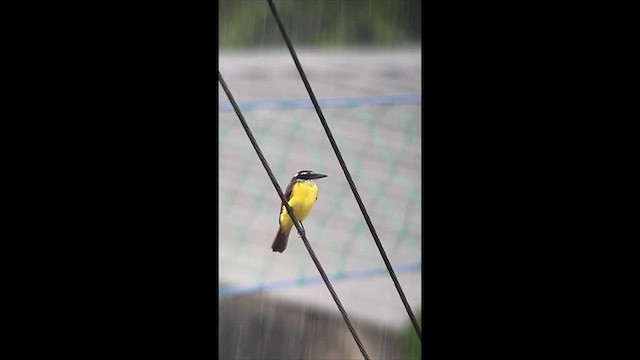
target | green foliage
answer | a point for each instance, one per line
(245, 23)
(413, 346)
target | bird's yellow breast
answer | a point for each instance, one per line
(303, 196)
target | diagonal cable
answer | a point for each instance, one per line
(295, 221)
(344, 168)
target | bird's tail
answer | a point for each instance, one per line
(280, 242)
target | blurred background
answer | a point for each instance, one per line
(363, 60)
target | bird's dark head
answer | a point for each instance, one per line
(308, 175)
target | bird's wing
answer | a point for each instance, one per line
(287, 195)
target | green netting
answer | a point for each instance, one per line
(381, 146)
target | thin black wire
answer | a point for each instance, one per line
(344, 168)
(295, 221)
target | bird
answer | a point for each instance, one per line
(301, 194)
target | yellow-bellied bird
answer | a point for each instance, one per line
(301, 194)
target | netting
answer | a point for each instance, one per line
(379, 137)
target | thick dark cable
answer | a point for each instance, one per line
(291, 214)
(344, 168)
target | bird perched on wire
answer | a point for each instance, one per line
(301, 194)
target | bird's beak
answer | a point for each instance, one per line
(318, 176)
